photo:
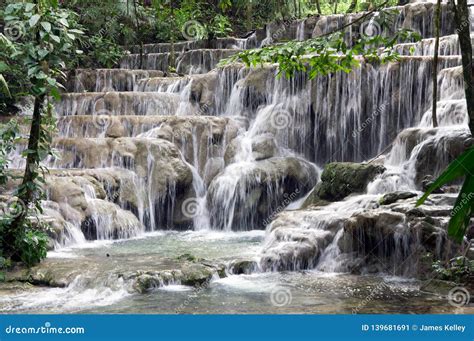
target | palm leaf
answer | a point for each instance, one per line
(462, 211)
(4, 86)
(461, 166)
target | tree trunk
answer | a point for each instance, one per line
(318, 7)
(172, 51)
(352, 7)
(435, 64)
(139, 35)
(461, 15)
(26, 193)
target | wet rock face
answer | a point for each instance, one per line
(264, 147)
(339, 179)
(203, 92)
(344, 237)
(434, 156)
(152, 184)
(245, 195)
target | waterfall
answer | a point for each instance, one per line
(234, 148)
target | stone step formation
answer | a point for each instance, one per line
(146, 147)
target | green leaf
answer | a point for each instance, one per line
(55, 38)
(56, 94)
(42, 53)
(456, 169)
(63, 22)
(29, 7)
(462, 211)
(34, 20)
(54, 3)
(46, 25)
(75, 31)
(3, 66)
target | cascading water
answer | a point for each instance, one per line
(235, 149)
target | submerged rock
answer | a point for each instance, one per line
(194, 274)
(243, 266)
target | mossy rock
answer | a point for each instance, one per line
(314, 200)
(339, 179)
(196, 274)
(188, 257)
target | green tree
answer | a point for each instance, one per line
(47, 42)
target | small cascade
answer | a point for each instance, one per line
(106, 80)
(118, 103)
(300, 31)
(187, 62)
